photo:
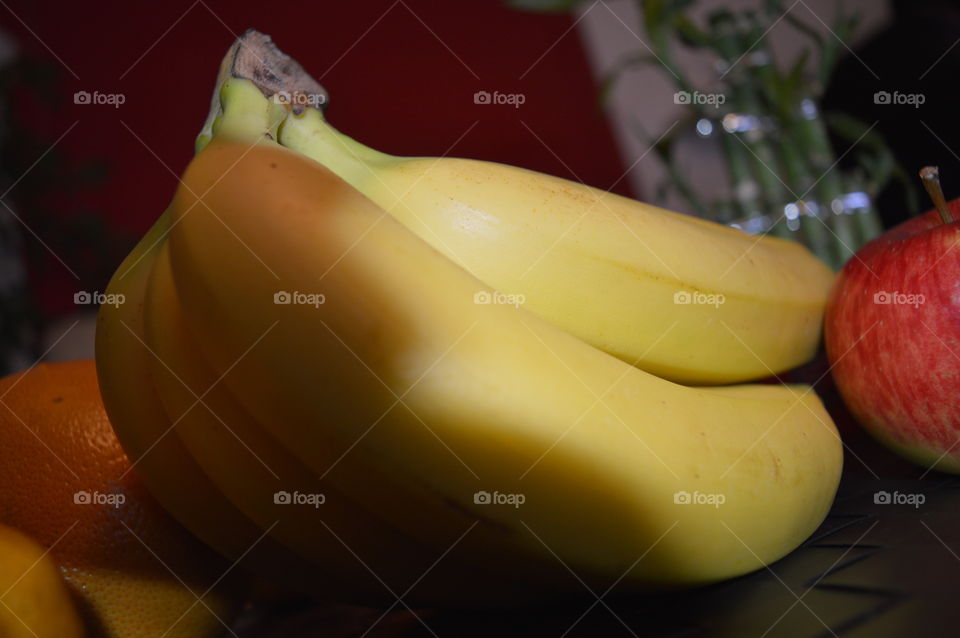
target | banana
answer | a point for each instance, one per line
(250, 468)
(124, 363)
(686, 299)
(441, 426)
(446, 399)
(211, 466)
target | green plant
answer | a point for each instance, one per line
(782, 169)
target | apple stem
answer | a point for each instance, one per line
(930, 175)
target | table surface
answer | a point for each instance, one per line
(870, 570)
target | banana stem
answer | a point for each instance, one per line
(254, 59)
(310, 134)
(245, 114)
(294, 116)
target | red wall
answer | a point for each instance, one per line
(401, 77)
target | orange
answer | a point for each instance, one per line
(34, 602)
(66, 482)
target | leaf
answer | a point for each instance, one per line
(795, 75)
(659, 15)
(776, 11)
(655, 21)
(792, 85)
(881, 165)
(851, 129)
(654, 12)
(678, 6)
(689, 33)
(843, 29)
(722, 18)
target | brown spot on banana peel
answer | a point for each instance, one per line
(776, 466)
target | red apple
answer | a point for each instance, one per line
(892, 331)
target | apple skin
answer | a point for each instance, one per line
(897, 365)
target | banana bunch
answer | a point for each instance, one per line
(683, 298)
(327, 373)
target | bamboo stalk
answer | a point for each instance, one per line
(761, 159)
(849, 234)
(799, 150)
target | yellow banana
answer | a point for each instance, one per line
(445, 398)
(441, 426)
(206, 461)
(250, 468)
(124, 371)
(680, 297)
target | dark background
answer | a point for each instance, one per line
(87, 180)
(917, 53)
(401, 77)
